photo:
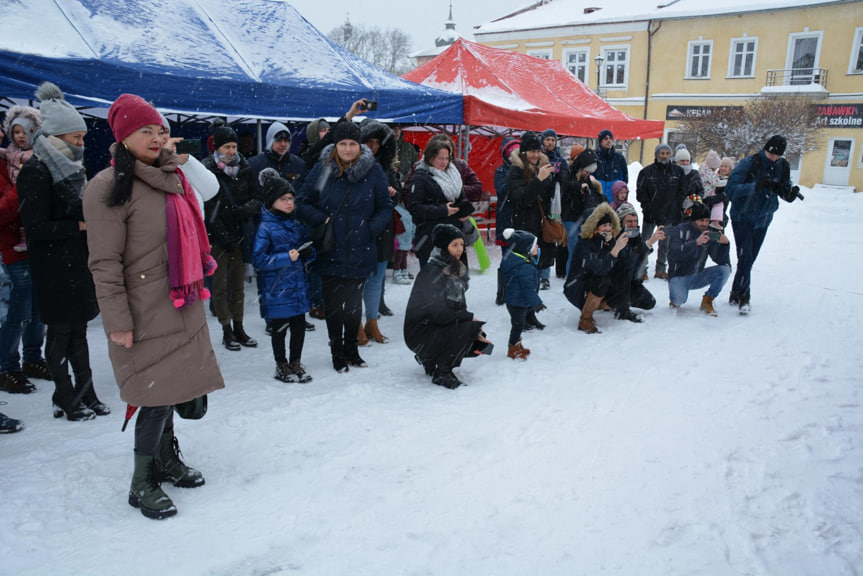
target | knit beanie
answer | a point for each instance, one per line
(443, 234)
(660, 148)
(575, 151)
(605, 219)
(530, 141)
(585, 159)
(58, 116)
(548, 132)
(130, 112)
(603, 134)
(776, 144)
(347, 131)
(274, 186)
(625, 209)
(520, 241)
(712, 160)
(507, 146)
(682, 154)
(699, 211)
(222, 135)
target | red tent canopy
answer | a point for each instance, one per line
(511, 90)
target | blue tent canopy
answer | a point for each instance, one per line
(255, 58)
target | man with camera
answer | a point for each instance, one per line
(687, 243)
(754, 188)
(627, 288)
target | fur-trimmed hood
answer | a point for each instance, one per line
(588, 230)
(32, 115)
(515, 158)
(356, 172)
(371, 128)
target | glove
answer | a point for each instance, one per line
(767, 184)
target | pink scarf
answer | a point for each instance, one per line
(189, 257)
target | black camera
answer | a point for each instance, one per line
(369, 105)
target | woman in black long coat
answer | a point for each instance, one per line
(438, 328)
(49, 191)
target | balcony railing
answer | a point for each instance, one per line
(797, 77)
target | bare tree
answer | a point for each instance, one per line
(741, 131)
(387, 49)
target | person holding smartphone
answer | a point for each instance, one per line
(689, 243)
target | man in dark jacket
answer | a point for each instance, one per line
(229, 216)
(277, 155)
(661, 188)
(754, 188)
(611, 165)
(687, 243)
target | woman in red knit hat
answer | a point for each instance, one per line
(149, 254)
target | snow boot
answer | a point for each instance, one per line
(9, 425)
(337, 350)
(228, 338)
(445, 378)
(373, 331)
(317, 312)
(707, 305)
(145, 492)
(627, 314)
(352, 357)
(518, 352)
(284, 373)
(241, 336)
(172, 468)
(586, 324)
(299, 372)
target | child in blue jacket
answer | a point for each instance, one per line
(521, 285)
(280, 255)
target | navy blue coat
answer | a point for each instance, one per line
(521, 278)
(610, 168)
(749, 201)
(290, 167)
(684, 254)
(503, 216)
(284, 285)
(363, 216)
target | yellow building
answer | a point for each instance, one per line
(685, 57)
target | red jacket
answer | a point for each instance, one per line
(10, 221)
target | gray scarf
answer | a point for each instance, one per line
(450, 181)
(64, 161)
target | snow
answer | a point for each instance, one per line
(683, 445)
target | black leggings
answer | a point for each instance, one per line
(297, 326)
(151, 422)
(66, 344)
(343, 302)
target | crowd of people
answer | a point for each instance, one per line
(156, 233)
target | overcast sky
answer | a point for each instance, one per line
(422, 20)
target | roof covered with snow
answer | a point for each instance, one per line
(556, 13)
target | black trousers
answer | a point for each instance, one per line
(151, 422)
(66, 344)
(343, 302)
(517, 315)
(297, 326)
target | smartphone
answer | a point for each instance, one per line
(369, 105)
(487, 349)
(304, 245)
(632, 232)
(192, 146)
(714, 235)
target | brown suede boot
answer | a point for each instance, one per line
(518, 352)
(373, 331)
(362, 338)
(591, 304)
(707, 306)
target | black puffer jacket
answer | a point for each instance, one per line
(525, 197)
(427, 205)
(661, 189)
(236, 204)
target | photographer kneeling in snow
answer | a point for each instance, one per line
(687, 243)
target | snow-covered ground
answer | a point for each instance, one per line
(684, 445)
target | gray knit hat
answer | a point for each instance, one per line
(58, 116)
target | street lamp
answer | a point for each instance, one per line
(599, 60)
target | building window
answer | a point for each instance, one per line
(544, 54)
(856, 66)
(741, 63)
(616, 66)
(698, 60)
(576, 61)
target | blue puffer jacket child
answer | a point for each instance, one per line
(520, 274)
(284, 284)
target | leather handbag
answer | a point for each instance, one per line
(553, 231)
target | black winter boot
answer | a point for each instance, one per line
(145, 492)
(241, 336)
(337, 350)
(228, 338)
